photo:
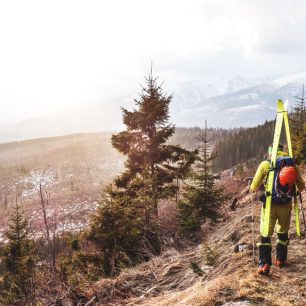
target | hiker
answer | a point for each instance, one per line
(286, 177)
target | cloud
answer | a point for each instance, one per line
(59, 54)
(287, 39)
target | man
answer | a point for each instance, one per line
(280, 212)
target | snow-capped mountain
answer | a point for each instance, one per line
(195, 92)
(289, 78)
(239, 102)
(223, 103)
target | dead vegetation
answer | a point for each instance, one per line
(72, 169)
(165, 273)
(187, 277)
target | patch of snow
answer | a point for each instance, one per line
(35, 179)
(3, 238)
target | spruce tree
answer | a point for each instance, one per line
(153, 166)
(116, 231)
(126, 225)
(201, 199)
(144, 142)
(18, 283)
(298, 128)
(299, 142)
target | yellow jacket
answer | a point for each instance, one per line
(263, 171)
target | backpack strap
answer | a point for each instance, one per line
(267, 176)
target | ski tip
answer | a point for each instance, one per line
(280, 105)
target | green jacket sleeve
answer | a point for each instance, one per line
(260, 175)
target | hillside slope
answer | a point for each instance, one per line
(231, 280)
(74, 169)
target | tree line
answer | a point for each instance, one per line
(242, 145)
(251, 144)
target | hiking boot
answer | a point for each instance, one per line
(264, 269)
(280, 263)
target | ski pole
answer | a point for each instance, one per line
(253, 233)
(250, 179)
(302, 210)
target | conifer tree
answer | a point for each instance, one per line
(298, 128)
(201, 199)
(126, 224)
(144, 142)
(19, 286)
(299, 142)
(116, 231)
(153, 166)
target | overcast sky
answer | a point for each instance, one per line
(56, 54)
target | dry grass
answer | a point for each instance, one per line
(169, 279)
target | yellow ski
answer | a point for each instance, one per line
(282, 116)
(269, 188)
(296, 206)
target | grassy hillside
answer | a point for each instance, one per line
(217, 271)
(72, 170)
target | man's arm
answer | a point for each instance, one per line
(260, 175)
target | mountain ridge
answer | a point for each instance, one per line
(231, 103)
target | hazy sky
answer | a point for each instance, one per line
(56, 54)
